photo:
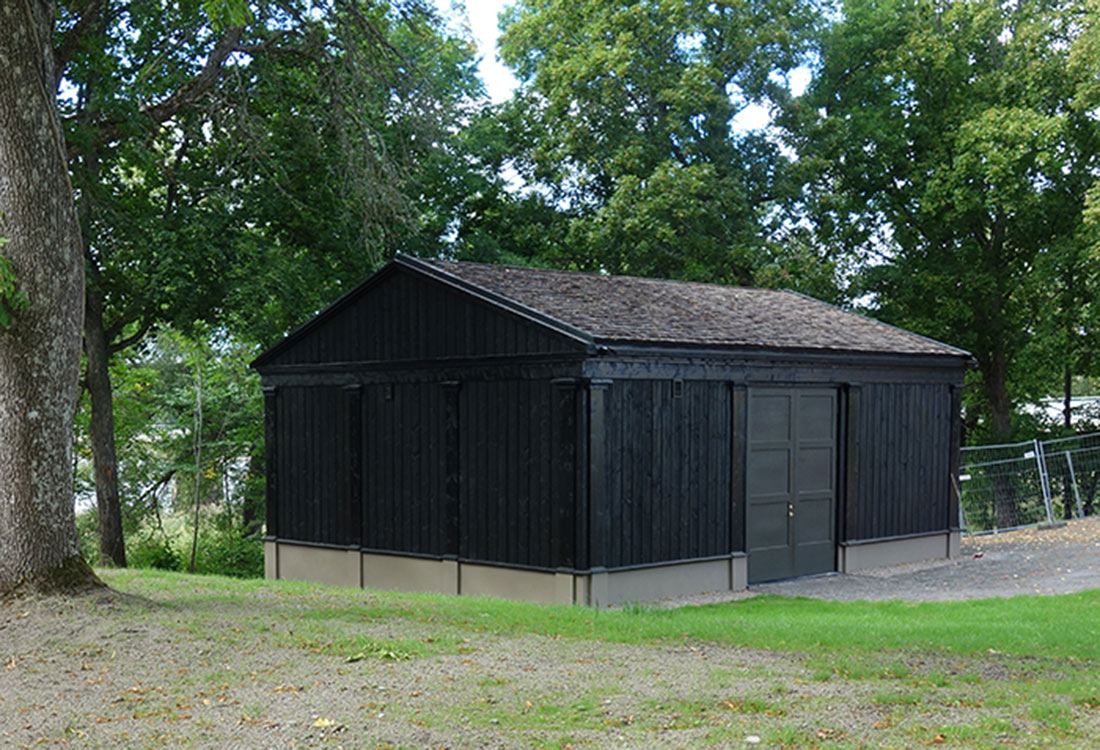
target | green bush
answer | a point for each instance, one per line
(151, 549)
(226, 550)
(223, 549)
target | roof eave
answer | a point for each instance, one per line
(953, 358)
(929, 339)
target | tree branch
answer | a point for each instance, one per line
(196, 88)
(155, 487)
(267, 46)
(136, 336)
(69, 43)
(187, 94)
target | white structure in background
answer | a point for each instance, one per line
(1085, 409)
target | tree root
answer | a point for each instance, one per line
(73, 576)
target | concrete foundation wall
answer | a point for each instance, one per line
(409, 574)
(338, 567)
(271, 560)
(853, 557)
(646, 584)
(528, 585)
(335, 567)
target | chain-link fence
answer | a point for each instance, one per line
(1005, 487)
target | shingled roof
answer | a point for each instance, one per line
(626, 309)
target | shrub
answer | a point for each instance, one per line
(226, 550)
(151, 549)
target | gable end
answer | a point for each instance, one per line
(404, 314)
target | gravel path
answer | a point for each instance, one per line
(1056, 560)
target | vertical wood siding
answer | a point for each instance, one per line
(405, 468)
(902, 454)
(506, 451)
(313, 463)
(407, 317)
(668, 472)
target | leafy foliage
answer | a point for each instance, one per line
(341, 158)
(225, 153)
(155, 401)
(293, 174)
(949, 160)
(626, 116)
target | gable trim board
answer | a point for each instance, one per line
(453, 436)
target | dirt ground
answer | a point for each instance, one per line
(110, 670)
(1037, 560)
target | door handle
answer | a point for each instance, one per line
(790, 510)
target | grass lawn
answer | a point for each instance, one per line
(208, 661)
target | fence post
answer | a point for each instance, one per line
(1076, 490)
(956, 484)
(1044, 480)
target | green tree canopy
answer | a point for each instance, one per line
(241, 165)
(950, 160)
(626, 118)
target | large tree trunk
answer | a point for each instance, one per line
(1067, 398)
(995, 379)
(40, 350)
(112, 549)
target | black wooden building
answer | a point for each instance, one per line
(576, 437)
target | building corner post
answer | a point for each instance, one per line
(563, 484)
(271, 481)
(597, 473)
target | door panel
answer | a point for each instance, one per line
(815, 470)
(790, 482)
(772, 476)
(773, 417)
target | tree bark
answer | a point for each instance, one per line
(995, 379)
(1067, 398)
(40, 350)
(112, 549)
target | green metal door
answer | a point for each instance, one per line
(790, 478)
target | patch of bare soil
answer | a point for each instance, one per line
(1041, 560)
(108, 670)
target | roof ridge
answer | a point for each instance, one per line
(623, 308)
(600, 275)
